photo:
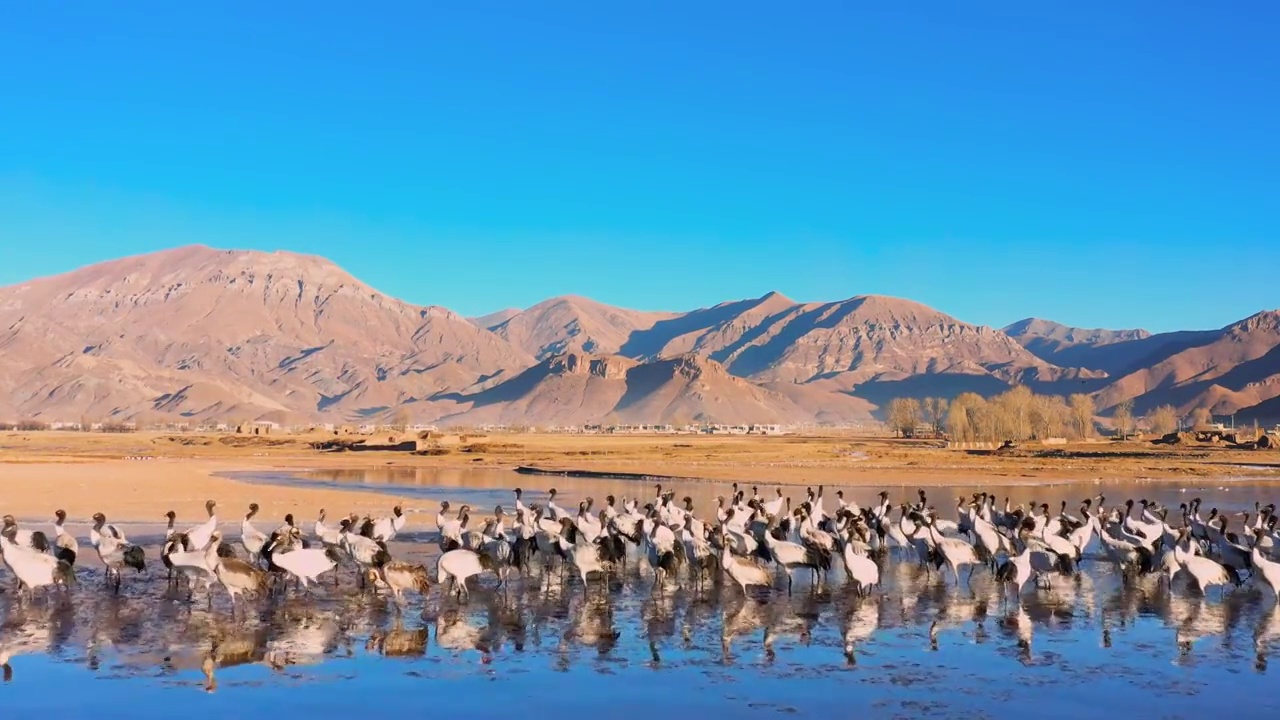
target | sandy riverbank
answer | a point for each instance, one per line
(137, 477)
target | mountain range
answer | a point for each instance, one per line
(202, 334)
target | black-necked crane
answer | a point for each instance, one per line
(451, 529)
(1139, 527)
(1205, 573)
(194, 565)
(33, 568)
(746, 572)
(399, 577)
(304, 564)
(665, 554)
(584, 553)
(65, 546)
(554, 511)
(457, 566)
(791, 557)
(251, 538)
(774, 507)
(699, 553)
(236, 576)
(366, 552)
(202, 534)
(1083, 535)
(989, 541)
(1130, 555)
(956, 553)
(114, 549)
(806, 532)
(860, 569)
(520, 507)
(908, 532)
(174, 541)
(30, 539)
(498, 548)
(386, 528)
(1231, 552)
(1266, 568)
(328, 535)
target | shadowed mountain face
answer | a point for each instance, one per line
(1113, 352)
(1227, 370)
(206, 334)
(1077, 347)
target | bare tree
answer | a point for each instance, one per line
(1082, 415)
(1163, 420)
(1015, 412)
(935, 411)
(400, 420)
(958, 422)
(968, 418)
(1122, 416)
(1050, 417)
(904, 415)
(1201, 416)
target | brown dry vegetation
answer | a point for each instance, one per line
(90, 472)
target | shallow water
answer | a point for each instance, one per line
(918, 646)
(486, 488)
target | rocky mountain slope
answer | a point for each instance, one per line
(573, 324)
(1226, 370)
(200, 334)
(1067, 346)
(578, 388)
(203, 333)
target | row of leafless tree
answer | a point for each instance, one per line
(1019, 414)
(37, 426)
(24, 426)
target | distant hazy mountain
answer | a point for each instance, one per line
(1113, 352)
(1076, 347)
(203, 334)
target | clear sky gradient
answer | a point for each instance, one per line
(1098, 163)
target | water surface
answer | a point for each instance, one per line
(919, 645)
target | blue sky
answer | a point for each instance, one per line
(1100, 164)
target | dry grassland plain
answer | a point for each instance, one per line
(137, 477)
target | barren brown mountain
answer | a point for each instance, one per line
(1113, 352)
(1067, 346)
(578, 388)
(494, 319)
(574, 324)
(202, 334)
(847, 344)
(1226, 370)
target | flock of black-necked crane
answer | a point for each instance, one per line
(753, 541)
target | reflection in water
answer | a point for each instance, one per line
(142, 636)
(914, 627)
(489, 487)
